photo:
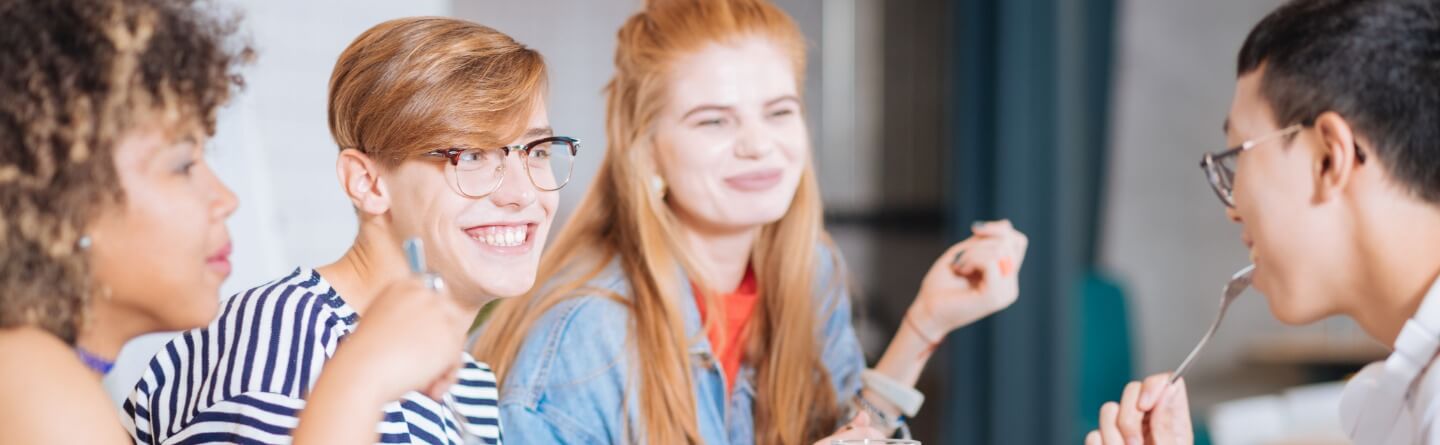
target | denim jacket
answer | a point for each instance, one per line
(568, 384)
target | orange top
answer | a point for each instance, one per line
(738, 306)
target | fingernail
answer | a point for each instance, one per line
(1147, 397)
(977, 224)
(1134, 441)
(1007, 266)
(1175, 387)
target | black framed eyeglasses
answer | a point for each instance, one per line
(1220, 167)
(477, 172)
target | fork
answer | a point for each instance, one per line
(1237, 285)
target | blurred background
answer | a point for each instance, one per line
(1083, 121)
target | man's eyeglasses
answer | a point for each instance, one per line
(1220, 167)
(478, 172)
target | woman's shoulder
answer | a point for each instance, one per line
(831, 282)
(829, 261)
(43, 352)
(590, 322)
(572, 369)
(596, 310)
(578, 337)
(49, 391)
(44, 356)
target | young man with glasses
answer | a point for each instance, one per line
(444, 138)
(1335, 179)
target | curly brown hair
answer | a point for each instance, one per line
(77, 76)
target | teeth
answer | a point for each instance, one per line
(500, 236)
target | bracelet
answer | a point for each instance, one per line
(879, 416)
(905, 398)
(900, 424)
(911, 324)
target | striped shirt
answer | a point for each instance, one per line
(244, 378)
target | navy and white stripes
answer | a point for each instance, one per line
(244, 378)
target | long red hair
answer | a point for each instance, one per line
(621, 215)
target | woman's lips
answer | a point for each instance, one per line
(755, 181)
(220, 261)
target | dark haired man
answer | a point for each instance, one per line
(1334, 174)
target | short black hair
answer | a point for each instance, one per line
(1375, 62)
(76, 76)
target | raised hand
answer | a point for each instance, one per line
(973, 279)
